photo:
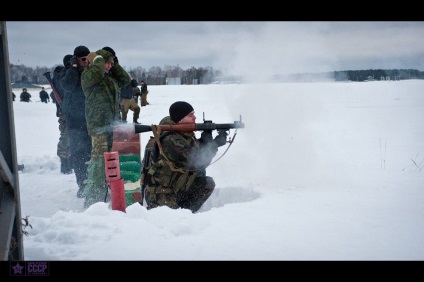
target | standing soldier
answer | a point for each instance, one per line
(73, 107)
(44, 96)
(127, 95)
(101, 82)
(144, 93)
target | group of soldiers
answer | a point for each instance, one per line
(84, 90)
(90, 94)
(26, 97)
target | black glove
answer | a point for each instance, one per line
(206, 136)
(73, 62)
(221, 138)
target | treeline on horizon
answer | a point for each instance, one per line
(207, 75)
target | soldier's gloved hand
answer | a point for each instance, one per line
(73, 62)
(206, 136)
(221, 138)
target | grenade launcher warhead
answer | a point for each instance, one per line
(206, 125)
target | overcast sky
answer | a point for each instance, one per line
(239, 47)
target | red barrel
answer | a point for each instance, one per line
(117, 195)
(115, 182)
(112, 167)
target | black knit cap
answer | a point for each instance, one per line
(67, 60)
(110, 50)
(134, 82)
(81, 51)
(179, 110)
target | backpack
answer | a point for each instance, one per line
(151, 155)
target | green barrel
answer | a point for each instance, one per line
(130, 166)
(128, 158)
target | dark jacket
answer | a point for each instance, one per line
(127, 92)
(44, 96)
(25, 97)
(73, 103)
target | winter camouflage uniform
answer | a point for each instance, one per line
(102, 111)
(182, 184)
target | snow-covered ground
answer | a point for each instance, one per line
(322, 171)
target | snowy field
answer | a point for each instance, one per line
(322, 171)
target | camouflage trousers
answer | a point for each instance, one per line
(96, 188)
(192, 198)
(129, 104)
(63, 150)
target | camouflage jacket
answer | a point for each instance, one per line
(102, 95)
(185, 152)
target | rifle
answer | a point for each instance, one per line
(55, 92)
(206, 125)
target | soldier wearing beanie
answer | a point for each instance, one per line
(67, 60)
(177, 177)
(72, 107)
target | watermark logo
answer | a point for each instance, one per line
(29, 268)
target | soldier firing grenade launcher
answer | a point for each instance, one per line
(55, 92)
(206, 125)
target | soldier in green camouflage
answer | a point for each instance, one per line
(177, 177)
(101, 82)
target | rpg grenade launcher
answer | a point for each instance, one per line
(207, 125)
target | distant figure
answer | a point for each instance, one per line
(144, 93)
(127, 102)
(53, 98)
(44, 96)
(25, 96)
(14, 96)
